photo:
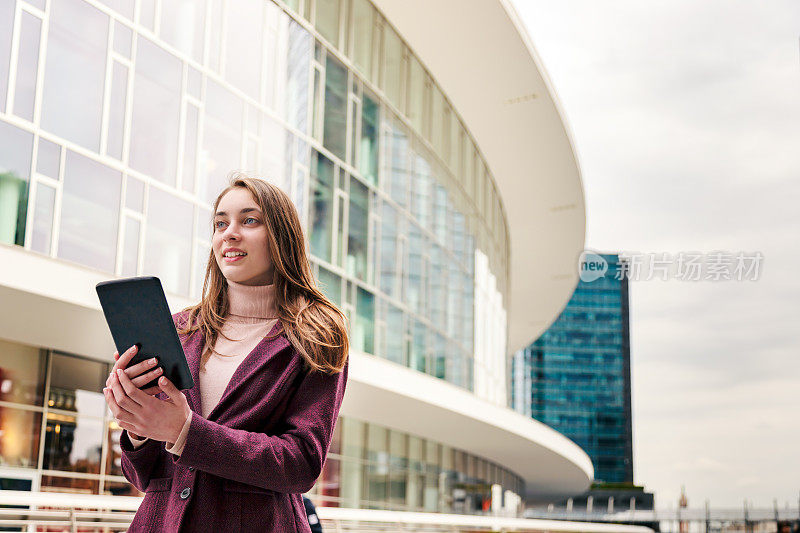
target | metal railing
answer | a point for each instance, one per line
(95, 513)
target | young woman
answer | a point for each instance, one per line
(268, 354)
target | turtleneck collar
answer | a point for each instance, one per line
(252, 301)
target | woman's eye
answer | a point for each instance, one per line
(216, 224)
(250, 218)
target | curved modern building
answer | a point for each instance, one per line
(427, 155)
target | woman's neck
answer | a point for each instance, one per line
(253, 301)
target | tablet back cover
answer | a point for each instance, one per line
(137, 312)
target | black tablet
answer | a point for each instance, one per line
(136, 311)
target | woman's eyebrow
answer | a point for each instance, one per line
(245, 210)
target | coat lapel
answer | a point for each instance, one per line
(263, 351)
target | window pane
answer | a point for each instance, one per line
(416, 94)
(190, 147)
(419, 347)
(89, 213)
(329, 482)
(364, 327)
(16, 147)
(43, 218)
(20, 447)
(394, 337)
(245, 45)
(368, 151)
(393, 65)
(222, 140)
(116, 115)
(299, 52)
(122, 6)
(357, 231)
(352, 483)
(76, 65)
(6, 32)
(123, 39)
(321, 214)
(48, 158)
(147, 14)
(388, 281)
(168, 245)
(331, 285)
(130, 251)
(22, 370)
(399, 165)
(414, 294)
(156, 112)
(201, 264)
(363, 28)
(327, 20)
(69, 484)
(27, 65)
(335, 120)
(134, 194)
(182, 26)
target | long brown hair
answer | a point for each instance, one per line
(312, 323)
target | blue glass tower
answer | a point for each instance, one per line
(576, 376)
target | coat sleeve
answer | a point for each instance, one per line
(139, 463)
(289, 462)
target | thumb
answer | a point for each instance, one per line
(169, 389)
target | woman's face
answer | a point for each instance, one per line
(239, 226)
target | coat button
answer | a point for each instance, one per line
(191, 469)
(185, 493)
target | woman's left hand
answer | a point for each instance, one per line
(146, 415)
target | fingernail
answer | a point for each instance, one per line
(119, 371)
(163, 380)
(152, 361)
(157, 370)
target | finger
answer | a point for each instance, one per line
(114, 407)
(130, 389)
(144, 379)
(121, 397)
(141, 367)
(152, 391)
(125, 358)
(170, 389)
(116, 355)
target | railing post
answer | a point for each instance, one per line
(73, 526)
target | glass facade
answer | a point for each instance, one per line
(396, 199)
(576, 376)
(119, 125)
(58, 435)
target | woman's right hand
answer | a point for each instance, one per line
(140, 374)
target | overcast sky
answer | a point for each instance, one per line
(686, 121)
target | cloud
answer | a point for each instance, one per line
(685, 119)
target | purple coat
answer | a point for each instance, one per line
(246, 466)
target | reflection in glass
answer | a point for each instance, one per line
(30, 29)
(363, 332)
(130, 251)
(156, 112)
(368, 151)
(393, 64)
(48, 158)
(321, 213)
(89, 213)
(389, 229)
(327, 20)
(182, 26)
(244, 45)
(334, 136)
(43, 218)
(15, 163)
(116, 111)
(331, 285)
(358, 227)
(6, 33)
(363, 27)
(399, 165)
(222, 140)
(22, 370)
(76, 65)
(70, 484)
(168, 245)
(297, 76)
(329, 484)
(20, 443)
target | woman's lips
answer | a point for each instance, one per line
(233, 259)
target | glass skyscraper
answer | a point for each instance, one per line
(576, 376)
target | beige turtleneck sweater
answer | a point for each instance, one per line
(249, 319)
